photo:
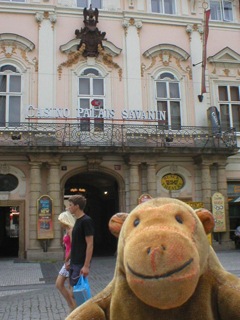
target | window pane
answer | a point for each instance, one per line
(98, 87)
(169, 6)
(156, 6)
(162, 107)
(82, 3)
(225, 119)
(84, 86)
(90, 71)
(14, 110)
(161, 90)
(174, 90)
(215, 10)
(222, 93)
(3, 80)
(166, 75)
(2, 111)
(175, 116)
(8, 67)
(228, 14)
(15, 83)
(234, 93)
(85, 124)
(99, 123)
(236, 116)
(97, 4)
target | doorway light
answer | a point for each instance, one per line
(105, 192)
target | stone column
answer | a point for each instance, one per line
(206, 186)
(222, 188)
(133, 184)
(35, 189)
(151, 179)
(54, 192)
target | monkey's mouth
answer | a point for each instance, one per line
(164, 275)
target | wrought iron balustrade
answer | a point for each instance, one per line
(115, 135)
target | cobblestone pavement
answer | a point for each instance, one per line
(27, 290)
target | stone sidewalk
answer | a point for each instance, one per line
(27, 290)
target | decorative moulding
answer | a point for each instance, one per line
(12, 39)
(109, 47)
(225, 58)
(174, 50)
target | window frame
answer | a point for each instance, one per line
(92, 122)
(8, 93)
(168, 99)
(228, 102)
(222, 11)
(161, 4)
(90, 2)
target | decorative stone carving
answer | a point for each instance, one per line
(93, 163)
(125, 25)
(4, 168)
(53, 19)
(90, 36)
(39, 18)
(8, 50)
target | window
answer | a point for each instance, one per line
(10, 95)
(221, 10)
(86, 3)
(163, 6)
(168, 99)
(13, 0)
(229, 106)
(91, 97)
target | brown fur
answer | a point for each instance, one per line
(165, 270)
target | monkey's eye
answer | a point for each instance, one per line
(179, 220)
(136, 222)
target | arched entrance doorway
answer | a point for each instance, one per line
(101, 191)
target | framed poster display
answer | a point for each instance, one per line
(45, 217)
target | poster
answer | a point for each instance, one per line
(218, 211)
(144, 198)
(45, 217)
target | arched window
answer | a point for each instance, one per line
(91, 99)
(10, 95)
(168, 99)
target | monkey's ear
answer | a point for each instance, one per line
(116, 222)
(206, 218)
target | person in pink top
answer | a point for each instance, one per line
(67, 222)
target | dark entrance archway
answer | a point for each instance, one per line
(101, 191)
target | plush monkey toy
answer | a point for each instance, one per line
(165, 269)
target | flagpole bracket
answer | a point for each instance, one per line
(200, 97)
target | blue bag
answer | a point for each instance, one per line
(81, 291)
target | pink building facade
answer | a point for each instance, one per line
(118, 121)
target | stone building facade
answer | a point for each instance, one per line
(105, 103)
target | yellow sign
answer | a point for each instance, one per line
(172, 182)
(195, 205)
(218, 211)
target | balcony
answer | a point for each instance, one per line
(116, 136)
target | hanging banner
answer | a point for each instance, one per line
(218, 211)
(144, 198)
(45, 217)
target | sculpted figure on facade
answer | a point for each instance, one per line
(90, 36)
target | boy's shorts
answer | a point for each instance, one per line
(74, 273)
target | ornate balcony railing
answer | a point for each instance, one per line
(114, 135)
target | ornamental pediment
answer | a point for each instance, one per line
(108, 47)
(225, 56)
(174, 50)
(15, 40)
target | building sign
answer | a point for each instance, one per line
(144, 198)
(45, 217)
(172, 182)
(218, 211)
(94, 113)
(195, 205)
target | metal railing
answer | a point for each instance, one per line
(115, 135)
